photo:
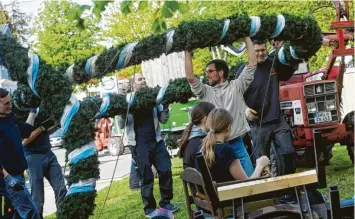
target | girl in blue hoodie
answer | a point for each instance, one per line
(194, 133)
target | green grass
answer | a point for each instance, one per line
(122, 203)
(177, 115)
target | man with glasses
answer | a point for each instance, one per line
(273, 127)
(12, 159)
(227, 95)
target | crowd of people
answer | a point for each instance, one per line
(228, 111)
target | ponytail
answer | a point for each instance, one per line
(185, 140)
(208, 148)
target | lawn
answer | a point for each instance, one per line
(122, 203)
(180, 117)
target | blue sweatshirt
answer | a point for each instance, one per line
(40, 145)
(12, 131)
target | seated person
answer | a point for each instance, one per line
(222, 162)
(194, 133)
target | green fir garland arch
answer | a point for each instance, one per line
(55, 87)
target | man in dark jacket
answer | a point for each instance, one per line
(273, 127)
(12, 160)
(42, 163)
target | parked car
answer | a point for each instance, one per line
(56, 139)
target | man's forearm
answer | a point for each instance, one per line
(33, 136)
(251, 52)
(188, 68)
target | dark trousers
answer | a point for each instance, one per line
(42, 166)
(147, 154)
(275, 136)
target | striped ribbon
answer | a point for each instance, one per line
(82, 186)
(125, 55)
(105, 104)
(293, 53)
(90, 66)
(254, 25)
(282, 57)
(281, 22)
(82, 153)
(161, 95)
(169, 40)
(225, 28)
(69, 112)
(130, 98)
(32, 71)
(69, 73)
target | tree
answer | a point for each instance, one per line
(59, 39)
(11, 14)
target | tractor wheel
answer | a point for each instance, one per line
(115, 146)
(351, 152)
(306, 159)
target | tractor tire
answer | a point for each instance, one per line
(307, 159)
(350, 149)
(115, 146)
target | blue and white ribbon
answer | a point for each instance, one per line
(281, 22)
(69, 73)
(225, 28)
(90, 66)
(161, 95)
(169, 40)
(105, 104)
(130, 98)
(254, 25)
(125, 55)
(82, 186)
(32, 71)
(82, 153)
(293, 53)
(282, 57)
(69, 112)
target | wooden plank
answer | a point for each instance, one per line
(245, 189)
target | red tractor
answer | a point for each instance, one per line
(310, 103)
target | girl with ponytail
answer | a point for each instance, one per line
(194, 133)
(220, 157)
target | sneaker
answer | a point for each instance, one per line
(170, 207)
(149, 213)
(161, 213)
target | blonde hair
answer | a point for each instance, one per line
(217, 121)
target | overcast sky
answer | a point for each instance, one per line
(31, 7)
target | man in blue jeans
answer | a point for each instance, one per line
(227, 95)
(42, 163)
(142, 134)
(12, 159)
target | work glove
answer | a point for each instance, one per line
(251, 114)
(13, 183)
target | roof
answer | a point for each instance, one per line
(5, 29)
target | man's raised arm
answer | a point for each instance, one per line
(198, 88)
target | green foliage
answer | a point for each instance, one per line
(59, 38)
(78, 205)
(302, 33)
(85, 169)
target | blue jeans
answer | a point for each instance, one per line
(133, 176)
(21, 200)
(240, 151)
(45, 165)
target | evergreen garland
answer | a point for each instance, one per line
(54, 87)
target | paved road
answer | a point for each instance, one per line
(107, 164)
